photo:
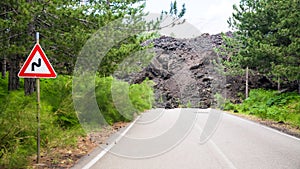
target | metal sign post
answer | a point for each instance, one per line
(38, 98)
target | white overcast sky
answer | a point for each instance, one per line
(209, 16)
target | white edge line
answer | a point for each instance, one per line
(279, 132)
(264, 126)
(102, 153)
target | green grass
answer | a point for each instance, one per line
(267, 104)
(59, 123)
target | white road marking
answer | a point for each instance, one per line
(219, 151)
(102, 153)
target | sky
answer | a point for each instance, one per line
(208, 16)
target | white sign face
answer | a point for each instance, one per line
(37, 65)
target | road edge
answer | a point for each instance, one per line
(262, 125)
(90, 159)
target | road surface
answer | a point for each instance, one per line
(229, 142)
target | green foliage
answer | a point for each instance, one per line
(3, 89)
(231, 49)
(220, 101)
(266, 38)
(140, 96)
(17, 128)
(229, 106)
(266, 104)
(58, 95)
(189, 104)
(122, 51)
(105, 102)
(174, 10)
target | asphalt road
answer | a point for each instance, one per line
(196, 139)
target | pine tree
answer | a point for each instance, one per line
(267, 34)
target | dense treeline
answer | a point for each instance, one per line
(267, 39)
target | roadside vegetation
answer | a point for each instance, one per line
(266, 41)
(59, 124)
(271, 105)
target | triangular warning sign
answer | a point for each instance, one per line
(37, 65)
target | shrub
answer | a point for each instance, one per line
(267, 104)
(57, 93)
(229, 106)
(17, 129)
(125, 101)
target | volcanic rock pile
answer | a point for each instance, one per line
(184, 72)
(187, 74)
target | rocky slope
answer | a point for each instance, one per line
(186, 73)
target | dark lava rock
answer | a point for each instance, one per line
(186, 74)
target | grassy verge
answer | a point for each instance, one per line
(270, 105)
(60, 127)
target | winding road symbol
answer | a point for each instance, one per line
(36, 64)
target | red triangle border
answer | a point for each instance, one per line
(37, 48)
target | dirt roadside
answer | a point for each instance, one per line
(63, 158)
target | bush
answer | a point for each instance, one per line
(125, 101)
(267, 104)
(17, 129)
(142, 95)
(229, 106)
(57, 93)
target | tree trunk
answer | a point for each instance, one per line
(278, 84)
(3, 68)
(29, 83)
(13, 80)
(29, 86)
(298, 86)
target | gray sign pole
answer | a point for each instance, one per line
(38, 111)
